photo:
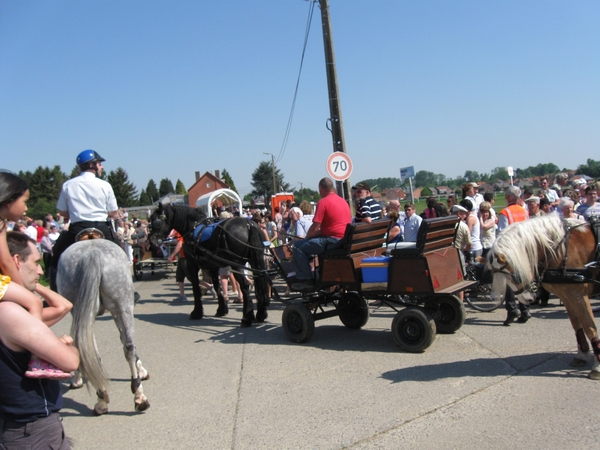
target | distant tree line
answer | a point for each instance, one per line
(424, 178)
(45, 183)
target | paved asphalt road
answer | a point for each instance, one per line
(215, 385)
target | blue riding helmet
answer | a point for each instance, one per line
(88, 156)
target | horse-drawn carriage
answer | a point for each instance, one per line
(418, 281)
(144, 259)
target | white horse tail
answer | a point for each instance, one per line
(86, 303)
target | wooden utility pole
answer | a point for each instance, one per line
(335, 121)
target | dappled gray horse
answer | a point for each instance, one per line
(95, 275)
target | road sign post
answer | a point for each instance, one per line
(339, 166)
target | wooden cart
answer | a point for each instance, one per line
(422, 281)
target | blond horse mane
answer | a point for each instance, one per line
(524, 244)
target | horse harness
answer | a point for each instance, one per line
(564, 275)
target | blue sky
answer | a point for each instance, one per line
(165, 89)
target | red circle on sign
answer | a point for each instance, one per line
(339, 166)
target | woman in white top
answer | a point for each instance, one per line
(474, 228)
(305, 221)
(487, 225)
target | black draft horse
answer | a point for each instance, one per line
(234, 243)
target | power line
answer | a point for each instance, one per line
(291, 116)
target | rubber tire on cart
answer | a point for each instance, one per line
(448, 311)
(137, 271)
(413, 329)
(298, 323)
(353, 310)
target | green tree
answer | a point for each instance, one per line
(125, 191)
(306, 194)
(165, 187)
(227, 178)
(498, 173)
(74, 171)
(591, 168)
(152, 191)
(425, 178)
(425, 192)
(180, 188)
(262, 181)
(472, 175)
(44, 184)
(144, 199)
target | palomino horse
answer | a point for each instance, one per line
(234, 242)
(95, 275)
(557, 251)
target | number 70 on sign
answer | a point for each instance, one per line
(339, 166)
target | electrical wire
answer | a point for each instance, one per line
(291, 116)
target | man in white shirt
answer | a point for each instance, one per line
(88, 202)
(411, 224)
(551, 194)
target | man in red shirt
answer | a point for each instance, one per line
(327, 229)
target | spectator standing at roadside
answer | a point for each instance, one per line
(562, 179)
(394, 205)
(451, 201)
(305, 222)
(46, 248)
(429, 212)
(412, 223)
(462, 240)
(54, 234)
(566, 207)
(591, 207)
(367, 208)
(533, 206)
(29, 407)
(489, 197)
(472, 222)
(487, 226)
(513, 213)
(31, 230)
(550, 194)
(545, 206)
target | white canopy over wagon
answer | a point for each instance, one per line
(226, 197)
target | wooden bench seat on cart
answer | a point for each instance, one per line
(433, 265)
(361, 240)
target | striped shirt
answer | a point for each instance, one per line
(368, 207)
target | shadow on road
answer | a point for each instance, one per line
(490, 367)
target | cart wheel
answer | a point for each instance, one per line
(479, 297)
(448, 312)
(413, 330)
(298, 323)
(137, 271)
(353, 310)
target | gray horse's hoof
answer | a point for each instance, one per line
(98, 411)
(594, 375)
(578, 363)
(142, 406)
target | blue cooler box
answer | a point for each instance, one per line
(375, 269)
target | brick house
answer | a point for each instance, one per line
(205, 184)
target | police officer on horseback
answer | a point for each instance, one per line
(88, 202)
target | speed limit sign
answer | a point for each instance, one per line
(339, 166)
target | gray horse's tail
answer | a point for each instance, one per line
(85, 306)
(257, 262)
